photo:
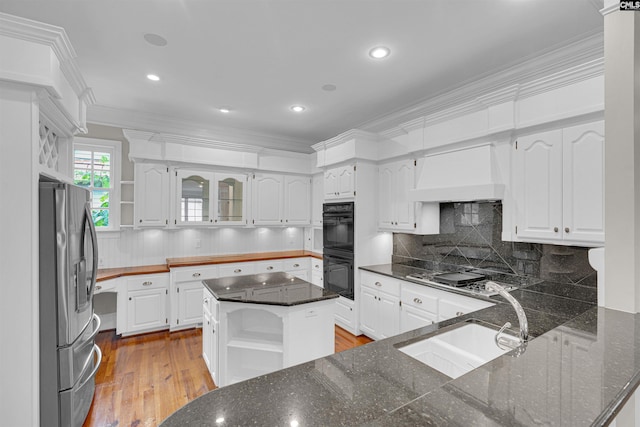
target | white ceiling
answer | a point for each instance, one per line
(261, 56)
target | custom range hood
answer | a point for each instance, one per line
(460, 175)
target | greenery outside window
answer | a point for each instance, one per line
(96, 167)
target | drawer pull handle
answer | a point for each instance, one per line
(317, 266)
(417, 300)
(459, 313)
(296, 265)
(270, 268)
(147, 283)
(196, 275)
(378, 284)
(98, 287)
(237, 270)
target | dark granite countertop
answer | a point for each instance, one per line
(267, 288)
(578, 369)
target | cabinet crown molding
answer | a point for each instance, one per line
(346, 136)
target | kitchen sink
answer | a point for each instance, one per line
(458, 351)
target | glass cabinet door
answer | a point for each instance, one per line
(230, 198)
(194, 197)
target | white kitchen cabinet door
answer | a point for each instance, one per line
(206, 338)
(583, 179)
(146, 310)
(388, 315)
(297, 200)
(151, 195)
(267, 199)
(189, 303)
(395, 211)
(317, 197)
(404, 180)
(346, 181)
(215, 350)
(331, 184)
(369, 311)
(194, 198)
(386, 196)
(230, 197)
(413, 318)
(538, 168)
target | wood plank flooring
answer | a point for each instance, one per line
(145, 378)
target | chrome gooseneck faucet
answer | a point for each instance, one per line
(501, 340)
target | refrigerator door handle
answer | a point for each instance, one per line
(94, 245)
(96, 350)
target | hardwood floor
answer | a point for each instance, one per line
(145, 378)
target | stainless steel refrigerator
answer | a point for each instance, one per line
(69, 358)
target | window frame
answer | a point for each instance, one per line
(115, 149)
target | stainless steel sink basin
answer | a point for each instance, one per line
(458, 351)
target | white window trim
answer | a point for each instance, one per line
(116, 164)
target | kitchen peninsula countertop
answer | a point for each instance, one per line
(272, 288)
(114, 273)
(578, 369)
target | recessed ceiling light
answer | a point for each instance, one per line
(379, 52)
(155, 39)
(153, 77)
(225, 110)
(297, 108)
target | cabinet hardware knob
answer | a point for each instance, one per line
(317, 266)
(213, 331)
(237, 270)
(205, 301)
(270, 268)
(417, 300)
(566, 229)
(459, 313)
(555, 229)
(296, 265)
(147, 283)
(141, 221)
(129, 298)
(196, 275)
(98, 287)
(378, 284)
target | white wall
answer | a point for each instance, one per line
(154, 246)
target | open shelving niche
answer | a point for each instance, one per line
(255, 344)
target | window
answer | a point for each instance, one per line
(96, 166)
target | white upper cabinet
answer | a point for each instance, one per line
(317, 197)
(297, 200)
(151, 199)
(208, 198)
(267, 199)
(194, 197)
(559, 185)
(395, 211)
(340, 182)
(230, 191)
(281, 200)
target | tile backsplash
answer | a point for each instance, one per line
(470, 236)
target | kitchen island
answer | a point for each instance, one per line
(260, 323)
(578, 369)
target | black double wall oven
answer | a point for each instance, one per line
(337, 236)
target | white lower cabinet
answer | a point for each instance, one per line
(390, 306)
(345, 314)
(379, 305)
(186, 293)
(146, 301)
(317, 273)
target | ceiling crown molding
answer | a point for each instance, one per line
(129, 119)
(132, 134)
(610, 6)
(54, 37)
(529, 75)
(346, 136)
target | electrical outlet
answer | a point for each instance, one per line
(100, 262)
(198, 243)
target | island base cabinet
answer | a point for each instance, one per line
(258, 339)
(345, 315)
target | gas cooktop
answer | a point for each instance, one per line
(466, 282)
